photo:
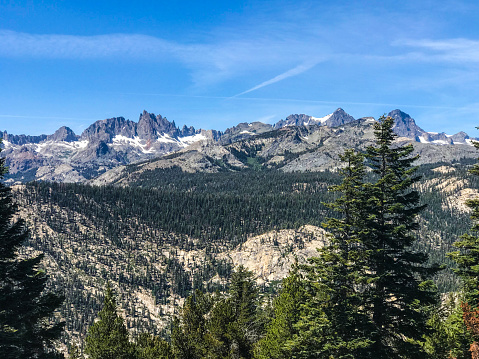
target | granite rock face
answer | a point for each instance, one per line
(405, 126)
(338, 118)
(106, 130)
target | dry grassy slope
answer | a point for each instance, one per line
(457, 190)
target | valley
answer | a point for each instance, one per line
(170, 232)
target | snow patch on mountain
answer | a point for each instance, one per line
(166, 138)
(135, 142)
(320, 120)
(187, 140)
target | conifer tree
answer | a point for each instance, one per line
(467, 259)
(190, 331)
(25, 306)
(400, 288)
(234, 326)
(287, 310)
(333, 320)
(107, 338)
(449, 337)
(151, 347)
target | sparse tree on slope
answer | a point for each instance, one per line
(25, 307)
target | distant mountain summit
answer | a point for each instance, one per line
(106, 130)
(337, 118)
(405, 126)
(63, 134)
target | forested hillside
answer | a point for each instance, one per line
(169, 232)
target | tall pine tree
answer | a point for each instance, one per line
(333, 319)
(234, 325)
(217, 326)
(190, 331)
(25, 307)
(400, 289)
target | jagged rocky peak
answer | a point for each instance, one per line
(460, 137)
(151, 127)
(298, 120)
(338, 118)
(405, 126)
(187, 131)
(106, 130)
(294, 120)
(22, 139)
(63, 134)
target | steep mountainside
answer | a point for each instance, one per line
(310, 143)
(170, 232)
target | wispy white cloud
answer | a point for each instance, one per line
(18, 44)
(451, 50)
(217, 59)
(292, 72)
(50, 117)
(267, 119)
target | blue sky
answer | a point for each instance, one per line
(213, 64)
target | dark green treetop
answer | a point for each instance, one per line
(107, 338)
(276, 343)
(151, 347)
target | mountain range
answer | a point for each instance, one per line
(111, 143)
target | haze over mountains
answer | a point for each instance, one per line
(107, 144)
